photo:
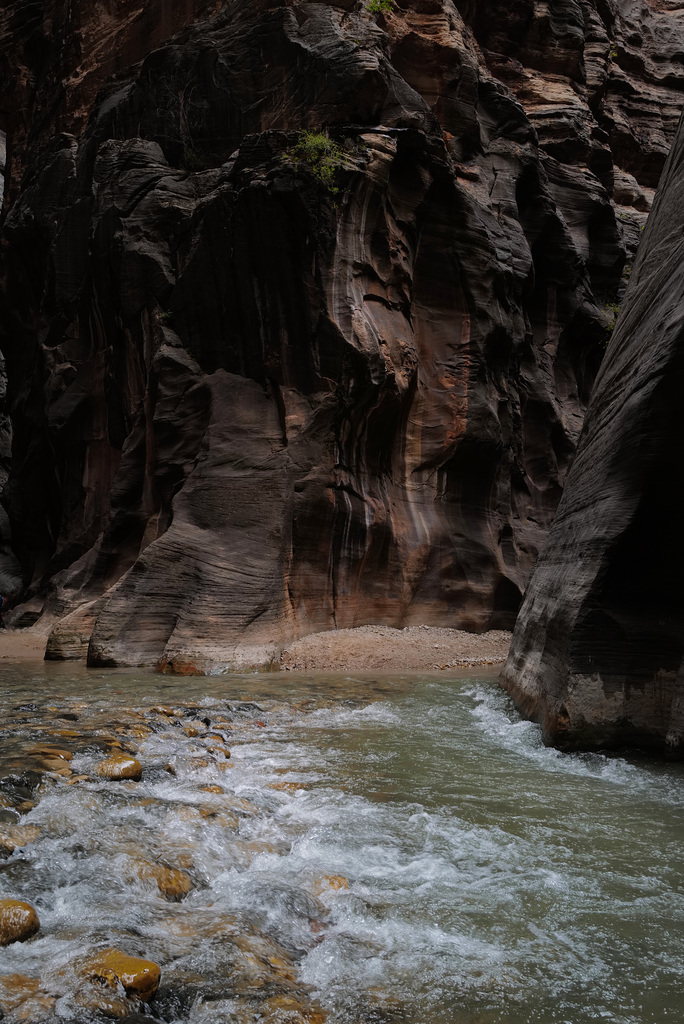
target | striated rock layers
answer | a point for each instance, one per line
(598, 649)
(242, 405)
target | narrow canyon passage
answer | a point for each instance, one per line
(330, 847)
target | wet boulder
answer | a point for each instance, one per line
(118, 767)
(173, 884)
(111, 967)
(18, 921)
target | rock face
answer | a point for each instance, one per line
(241, 405)
(598, 650)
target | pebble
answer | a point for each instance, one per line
(18, 921)
(119, 766)
(139, 978)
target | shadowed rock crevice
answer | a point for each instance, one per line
(598, 648)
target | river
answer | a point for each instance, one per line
(373, 850)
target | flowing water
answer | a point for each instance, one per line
(374, 849)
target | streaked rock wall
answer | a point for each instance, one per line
(598, 649)
(242, 407)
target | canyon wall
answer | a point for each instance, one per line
(598, 651)
(245, 397)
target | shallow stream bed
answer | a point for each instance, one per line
(358, 850)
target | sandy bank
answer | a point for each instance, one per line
(22, 644)
(414, 649)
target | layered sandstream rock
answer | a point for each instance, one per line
(242, 406)
(598, 651)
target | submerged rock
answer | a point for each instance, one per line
(111, 967)
(18, 921)
(12, 836)
(15, 989)
(292, 1010)
(119, 767)
(172, 883)
(330, 882)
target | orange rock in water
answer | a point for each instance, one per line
(295, 1012)
(162, 709)
(330, 882)
(14, 989)
(139, 978)
(218, 748)
(56, 766)
(172, 883)
(138, 731)
(18, 921)
(12, 836)
(35, 1008)
(226, 819)
(119, 766)
(50, 751)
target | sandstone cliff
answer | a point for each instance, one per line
(598, 650)
(242, 405)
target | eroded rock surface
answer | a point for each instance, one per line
(598, 651)
(243, 407)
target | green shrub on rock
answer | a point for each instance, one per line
(321, 155)
(380, 6)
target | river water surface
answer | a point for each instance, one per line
(374, 849)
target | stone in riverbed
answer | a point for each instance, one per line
(217, 816)
(295, 1012)
(330, 882)
(15, 989)
(139, 978)
(106, 1001)
(12, 836)
(51, 752)
(36, 1008)
(18, 921)
(172, 883)
(218, 748)
(119, 766)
